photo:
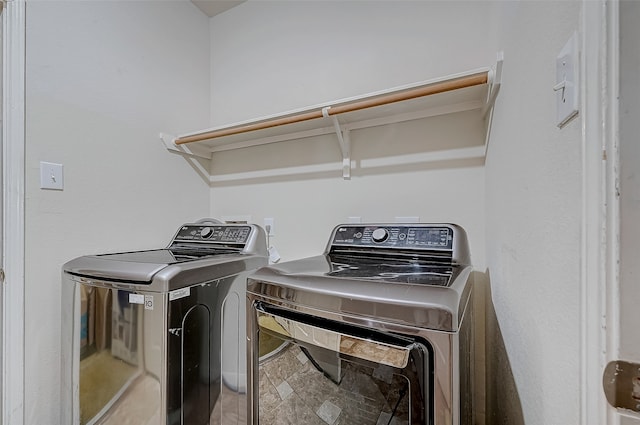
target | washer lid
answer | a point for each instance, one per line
(139, 266)
(166, 256)
(110, 268)
(198, 252)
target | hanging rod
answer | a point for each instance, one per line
(356, 105)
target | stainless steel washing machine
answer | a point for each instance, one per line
(159, 336)
(377, 330)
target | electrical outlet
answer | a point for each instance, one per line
(51, 176)
(269, 226)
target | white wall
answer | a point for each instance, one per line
(533, 216)
(96, 102)
(103, 79)
(273, 56)
(522, 209)
(1, 67)
(270, 57)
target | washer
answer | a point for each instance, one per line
(158, 336)
(376, 330)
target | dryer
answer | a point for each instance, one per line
(158, 336)
(376, 330)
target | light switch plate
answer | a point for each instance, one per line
(51, 176)
(567, 82)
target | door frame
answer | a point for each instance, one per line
(600, 246)
(13, 191)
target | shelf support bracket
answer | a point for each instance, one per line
(344, 140)
(495, 81)
(495, 78)
(169, 143)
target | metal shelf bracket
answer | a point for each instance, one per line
(344, 140)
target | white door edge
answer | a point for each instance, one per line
(14, 26)
(612, 189)
(600, 208)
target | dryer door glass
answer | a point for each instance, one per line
(316, 371)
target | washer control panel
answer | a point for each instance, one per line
(224, 234)
(390, 236)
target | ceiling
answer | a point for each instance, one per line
(215, 7)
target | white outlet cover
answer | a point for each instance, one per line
(270, 222)
(51, 176)
(567, 82)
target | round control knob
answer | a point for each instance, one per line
(206, 232)
(380, 235)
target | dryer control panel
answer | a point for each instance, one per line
(224, 234)
(399, 236)
(438, 240)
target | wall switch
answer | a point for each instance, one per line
(51, 176)
(269, 226)
(567, 86)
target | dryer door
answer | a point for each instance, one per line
(322, 371)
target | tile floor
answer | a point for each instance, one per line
(140, 407)
(293, 391)
(230, 409)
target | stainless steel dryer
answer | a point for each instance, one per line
(159, 336)
(377, 330)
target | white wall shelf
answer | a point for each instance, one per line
(473, 90)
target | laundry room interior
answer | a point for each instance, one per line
(109, 84)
